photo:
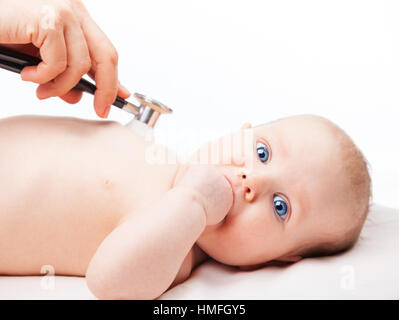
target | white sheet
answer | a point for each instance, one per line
(368, 271)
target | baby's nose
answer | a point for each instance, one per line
(249, 185)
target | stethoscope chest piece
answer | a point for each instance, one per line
(149, 109)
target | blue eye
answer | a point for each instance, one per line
(280, 207)
(262, 151)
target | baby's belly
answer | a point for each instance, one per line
(65, 195)
(58, 218)
(64, 238)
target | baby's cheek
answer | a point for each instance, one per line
(261, 223)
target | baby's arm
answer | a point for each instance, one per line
(141, 257)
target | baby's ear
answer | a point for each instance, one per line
(246, 125)
(290, 259)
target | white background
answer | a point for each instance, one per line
(219, 64)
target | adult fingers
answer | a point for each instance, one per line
(123, 92)
(72, 96)
(104, 67)
(54, 59)
(106, 79)
(79, 63)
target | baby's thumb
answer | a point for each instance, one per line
(219, 199)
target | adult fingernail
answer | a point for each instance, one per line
(106, 112)
(124, 88)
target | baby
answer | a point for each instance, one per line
(84, 197)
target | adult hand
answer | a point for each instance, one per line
(70, 44)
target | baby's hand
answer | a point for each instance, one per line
(211, 189)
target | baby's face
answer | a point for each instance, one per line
(287, 192)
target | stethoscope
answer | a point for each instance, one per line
(146, 110)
